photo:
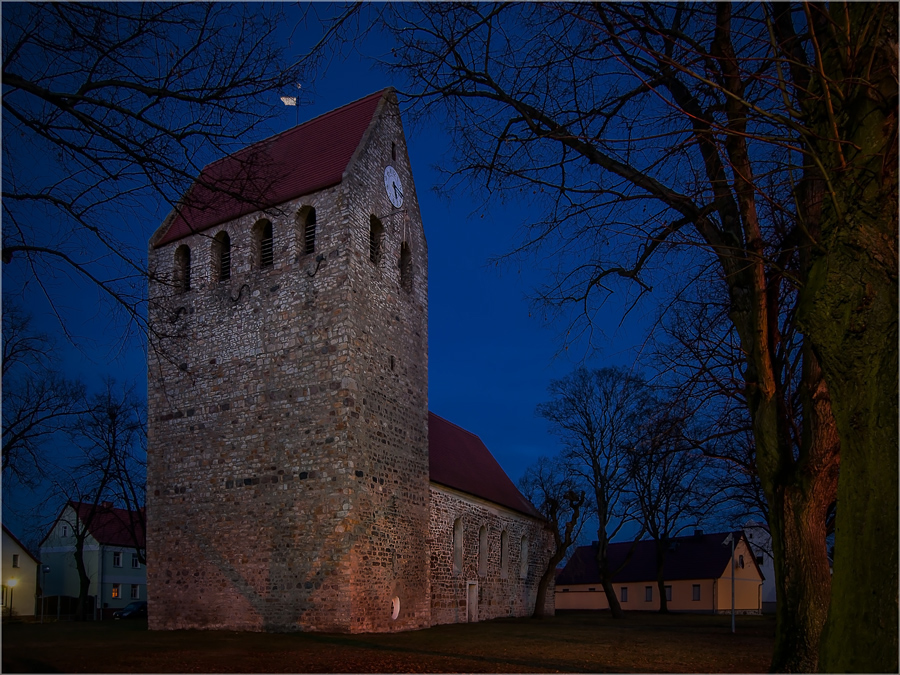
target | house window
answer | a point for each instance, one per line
(482, 551)
(668, 594)
(565, 590)
(504, 554)
(695, 590)
(115, 590)
(117, 558)
(182, 276)
(457, 545)
(376, 240)
(135, 592)
(405, 267)
(306, 222)
(221, 248)
(65, 531)
(135, 561)
(523, 562)
(623, 594)
(15, 559)
(592, 589)
(264, 240)
(648, 593)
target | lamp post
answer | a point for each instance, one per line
(12, 585)
(44, 570)
(730, 540)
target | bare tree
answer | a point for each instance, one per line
(550, 484)
(761, 138)
(38, 402)
(108, 470)
(123, 104)
(669, 482)
(596, 414)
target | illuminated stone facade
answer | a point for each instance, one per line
(288, 465)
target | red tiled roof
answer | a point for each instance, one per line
(310, 157)
(111, 526)
(692, 557)
(458, 459)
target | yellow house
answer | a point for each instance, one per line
(697, 573)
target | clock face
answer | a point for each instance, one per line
(393, 186)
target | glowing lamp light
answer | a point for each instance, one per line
(12, 583)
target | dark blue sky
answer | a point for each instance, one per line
(491, 354)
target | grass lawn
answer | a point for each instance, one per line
(571, 642)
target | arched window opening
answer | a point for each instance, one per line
(222, 256)
(523, 561)
(182, 274)
(306, 230)
(265, 243)
(504, 554)
(482, 551)
(376, 240)
(393, 150)
(457, 546)
(405, 267)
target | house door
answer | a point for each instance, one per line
(472, 602)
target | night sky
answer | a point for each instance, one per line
(491, 353)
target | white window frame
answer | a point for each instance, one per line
(116, 592)
(135, 562)
(117, 558)
(135, 592)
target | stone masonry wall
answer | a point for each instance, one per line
(287, 457)
(500, 594)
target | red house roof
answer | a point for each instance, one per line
(310, 157)
(111, 526)
(693, 557)
(458, 459)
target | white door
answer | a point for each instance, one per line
(472, 602)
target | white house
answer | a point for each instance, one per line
(20, 577)
(113, 538)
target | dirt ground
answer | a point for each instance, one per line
(572, 642)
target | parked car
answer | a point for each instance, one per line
(133, 610)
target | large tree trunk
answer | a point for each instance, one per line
(800, 483)
(850, 314)
(84, 581)
(848, 311)
(606, 575)
(660, 579)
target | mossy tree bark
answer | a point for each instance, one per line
(849, 310)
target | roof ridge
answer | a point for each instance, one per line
(471, 433)
(296, 127)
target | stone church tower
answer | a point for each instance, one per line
(288, 473)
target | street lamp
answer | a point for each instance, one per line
(12, 585)
(44, 570)
(730, 540)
